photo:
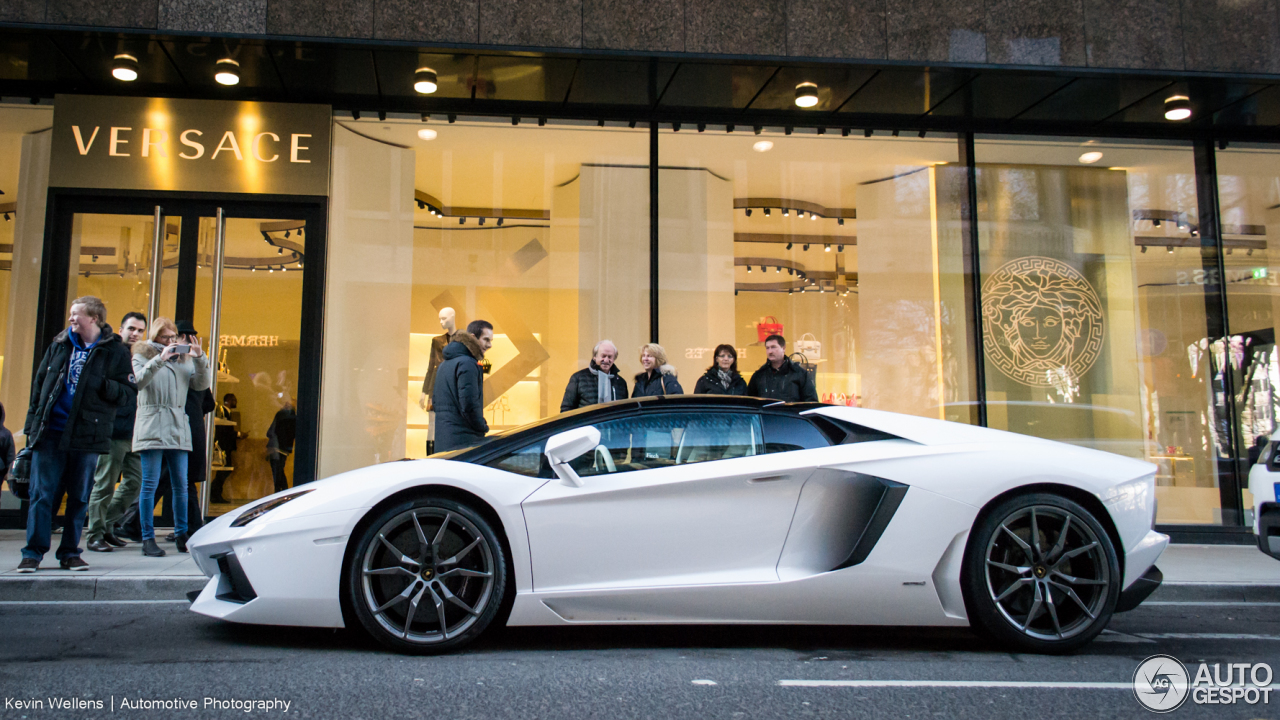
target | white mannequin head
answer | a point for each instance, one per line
(448, 319)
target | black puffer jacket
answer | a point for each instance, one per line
(458, 399)
(582, 389)
(660, 381)
(126, 415)
(789, 383)
(106, 384)
(709, 384)
(199, 404)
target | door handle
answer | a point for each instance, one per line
(767, 478)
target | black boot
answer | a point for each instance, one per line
(181, 541)
(151, 549)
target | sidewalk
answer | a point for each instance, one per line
(1191, 572)
(123, 574)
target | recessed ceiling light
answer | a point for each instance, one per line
(427, 134)
(124, 67)
(227, 72)
(1091, 157)
(763, 146)
(1177, 107)
(806, 94)
(424, 80)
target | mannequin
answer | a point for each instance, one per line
(449, 323)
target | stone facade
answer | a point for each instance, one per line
(1239, 36)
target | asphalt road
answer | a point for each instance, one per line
(124, 652)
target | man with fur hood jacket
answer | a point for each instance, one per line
(458, 396)
(83, 377)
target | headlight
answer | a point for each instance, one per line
(258, 511)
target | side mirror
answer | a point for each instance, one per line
(568, 446)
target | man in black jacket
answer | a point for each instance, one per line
(84, 376)
(779, 378)
(459, 392)
(599, 382)
(107, 504)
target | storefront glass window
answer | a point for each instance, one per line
(851, 248)
(541, 230)
(24, 169)
(1249, 198)
(1097, 302)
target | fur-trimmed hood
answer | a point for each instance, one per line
(466, 340)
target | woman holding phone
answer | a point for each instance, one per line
(165, 367)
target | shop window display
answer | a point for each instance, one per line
(1096, 309)
(541, 230)
(24, 164)
(1249, 198)
(851, 248)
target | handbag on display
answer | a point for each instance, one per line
(767, 326)
(809, 346)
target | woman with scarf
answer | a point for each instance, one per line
(722, 378)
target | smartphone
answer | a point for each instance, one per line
(181, 349)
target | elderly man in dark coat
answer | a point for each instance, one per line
(458, 398)
(599, 382)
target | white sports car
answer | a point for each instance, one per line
(1263, 477)
(702, 509)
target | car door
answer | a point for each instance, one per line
(668, 499)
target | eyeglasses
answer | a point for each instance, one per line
(165, 338)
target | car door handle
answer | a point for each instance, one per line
(767, 478)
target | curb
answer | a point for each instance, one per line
(35, 589)
(1215, 592)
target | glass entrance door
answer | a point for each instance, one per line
(235, 272)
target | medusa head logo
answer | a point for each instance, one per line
(1043, 320)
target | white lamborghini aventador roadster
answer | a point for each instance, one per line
(702, 509)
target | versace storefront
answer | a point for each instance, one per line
(1105, 285)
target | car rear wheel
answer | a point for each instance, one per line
(427, 576)
(1041, 574)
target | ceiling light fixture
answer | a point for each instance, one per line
(748, 212)
(786, 212)
(826, 248)
(806, 247)
(124, 67)
(1144, 249)
(839, 248)
(427, 134)
(766, 212)
(748, 268)
(763, 146)
(806, 95)
(424, 81)
(227, 72)
(1170, 249)
(1091, 157)
(1177, 107)
(813, 216)
(840, 221)
(788, 245)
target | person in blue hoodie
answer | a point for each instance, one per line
(84, 376)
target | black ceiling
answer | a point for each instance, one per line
(39, 64)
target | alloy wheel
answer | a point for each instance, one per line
(1047, 573)
(428, 575)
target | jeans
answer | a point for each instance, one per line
(277, 460)
(53, 472)
(177, 462)
(107, 503)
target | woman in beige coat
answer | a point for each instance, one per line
(165, 367)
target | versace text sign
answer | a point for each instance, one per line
(191, 145)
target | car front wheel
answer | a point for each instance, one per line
(1041, 574)
(427, 576)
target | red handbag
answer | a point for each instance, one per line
(765, 329)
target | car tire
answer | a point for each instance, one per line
(426, 576)
(1051, 595)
